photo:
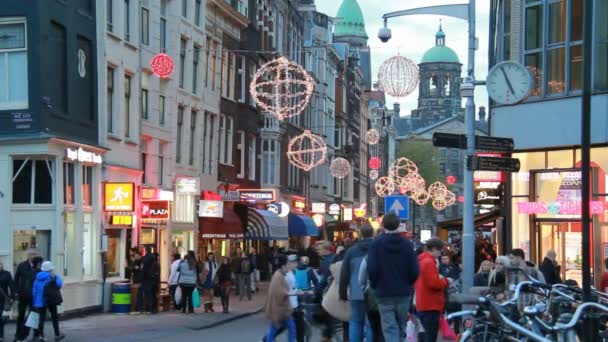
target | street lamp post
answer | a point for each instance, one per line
(465, 12)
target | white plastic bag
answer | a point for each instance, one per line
(178, 295)
(33, 320)
(410, 330)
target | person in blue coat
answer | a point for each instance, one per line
(46, 297)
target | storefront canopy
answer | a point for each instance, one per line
(302, 225)
(480, 220)
(264, 225)
(229, 227)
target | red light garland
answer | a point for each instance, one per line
(162, 65)
(451, 180)
(374, 163)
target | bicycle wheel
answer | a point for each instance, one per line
(482, 333)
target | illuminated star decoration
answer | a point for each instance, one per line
(339, 167)
(374, 163)
(398, 76)
(282, 88)
(441, 196)
(162, 65)
(385, 186)
(306, 151)
(372, 136)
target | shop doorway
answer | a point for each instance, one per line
(565, 239)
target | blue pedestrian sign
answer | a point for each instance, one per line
(399, 205)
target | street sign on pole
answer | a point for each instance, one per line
(494, 144)
(477, 163)
(449, 140)
(399, 205)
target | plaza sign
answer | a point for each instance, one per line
(155, 210)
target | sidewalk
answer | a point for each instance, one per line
(105, 327)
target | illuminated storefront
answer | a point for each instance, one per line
(546, 208)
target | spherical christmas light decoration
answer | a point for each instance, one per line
(421, 198)
(373, 174)
(282, 88)
(372, 136)
(306, 151)
(374, 163)
(398, 76)
(401, 168)
(384, 186)
(461, 199)
(162, 65)
(441, 196)
(451, 180)
(339, 167)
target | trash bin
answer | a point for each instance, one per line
(121, 298)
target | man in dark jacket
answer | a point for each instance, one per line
(148, 280)
(6, 294)
(349, 280)
(549, 269)
(24, 284)
(393, 270)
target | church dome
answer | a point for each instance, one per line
(351, 20)
(440, 53)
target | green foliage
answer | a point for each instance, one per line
(425, 155)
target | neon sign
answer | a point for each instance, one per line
(559, 208)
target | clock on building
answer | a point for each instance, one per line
(509, 83)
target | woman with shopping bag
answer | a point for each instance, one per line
(188, 275)
(47, 297)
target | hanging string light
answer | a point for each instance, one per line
(339, 167)
(372, 136)
(162, 65)
(385, 186)
(306, 151)
(374, 163)
(282, 88)
(398, 76)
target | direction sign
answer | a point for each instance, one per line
(494, 144)
(449, 140)
(399, 205)
(476, 163)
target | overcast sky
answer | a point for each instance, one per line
(413, 35)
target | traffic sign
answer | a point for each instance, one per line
(476, 163)
(399, 205)
(449, 140)
(494, 144)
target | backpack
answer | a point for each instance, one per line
(246, 265)
(302, 279)
(52, 293)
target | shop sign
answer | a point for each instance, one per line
(489, 176)
(348, 214)
(318, 219)
(83, 156)
(299, 204)
(230, 196)
(361, 211)
(207, 208)
(334, 209)
(256, 195)
(122, 220)
(317, 208)
(155, 210)
(187, 186)
(558, 208)
(211, 196)
(488, 193)
(118, 196)
(150, 193)
(425, 235)
(281, 209)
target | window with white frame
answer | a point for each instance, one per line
(193, 138)
(182, 62)
(110, 15)
(110, 99)
(241, 79)
(145, 26)
(127, 17)
(178, 140)
(195, 59)
(197, 12)
(240, 153)
(208, 143)
(13, 64)
(226, 138)
(269, 162)
(127, 106)
(68, 183)
(161, 110)
(87, 185)
(161, 164)
(32, 181)
(251, 152)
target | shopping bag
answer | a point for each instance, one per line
(196, 299)
(410, 331)
(446, 331)
(33, 320)
(178, 295)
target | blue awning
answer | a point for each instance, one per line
(302, 225)
(264, 225)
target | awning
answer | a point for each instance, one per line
(302, 225)
(264, 225)
(229, 227)
(480, 220)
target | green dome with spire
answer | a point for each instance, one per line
(440, 53)
(351, 22)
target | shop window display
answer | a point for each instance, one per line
(68, 243)
(88, 242)
(23, 240)
(113, 259)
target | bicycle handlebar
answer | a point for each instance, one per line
(577, 315)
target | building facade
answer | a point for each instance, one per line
(544, 197)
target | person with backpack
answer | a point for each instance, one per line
(24, 281)
(306, 279)
(244, 276)
(6, 296)
(350, 289)
(47, 297)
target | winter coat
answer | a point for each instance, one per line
(277, 308)
(392, 266)
(550, 272)
(6, 284)
(324, 274)
(42, 279)
(187, 275)
(482, 279)
(430, 286)
(306, 278)
(147, 268)
(209, 273)
(24, 281)
(136, 272)
(174, 272)
(450, 271)
(224, 274)
(337, 308)
(349, 274)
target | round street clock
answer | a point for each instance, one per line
(509, 83)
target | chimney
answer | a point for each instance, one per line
(482, 114)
